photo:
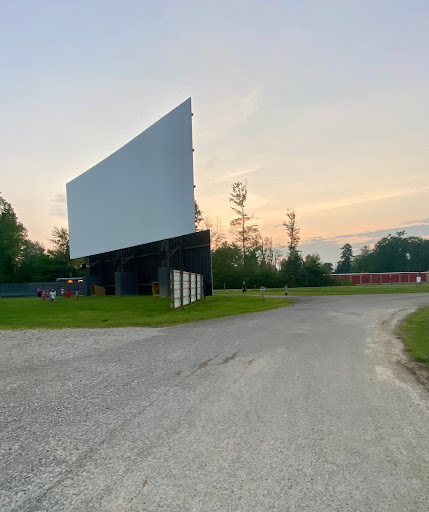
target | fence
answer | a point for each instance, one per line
(30, 289)
(186, 287)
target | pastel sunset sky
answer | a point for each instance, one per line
(321, 106)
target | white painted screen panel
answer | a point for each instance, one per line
(193, 287)
(199, 286)
(177, 288)
(141, 193)
(186, 291)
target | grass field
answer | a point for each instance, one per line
(133, 311)
(415, 335)
(337, 290)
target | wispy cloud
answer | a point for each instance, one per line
(369, 237)
(417, 221)
(250, 103)
(229, 176)
(365, 198)
(229, 114)
(58, 207)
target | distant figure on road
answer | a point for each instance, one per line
(68, 294)
(244, 288)
(39, 292)
(286, 290)
(53, 295)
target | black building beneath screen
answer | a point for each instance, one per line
(145, 269)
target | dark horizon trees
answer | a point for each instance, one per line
(394, 253)
(344, 266)
(12, 240)
(249, 257)
(22, 260)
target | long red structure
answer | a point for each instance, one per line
(385, 277)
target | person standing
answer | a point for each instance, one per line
(39, 292)
(76, 292)
(244, 287)
(63, 291)
(53, 295)
(68, 294)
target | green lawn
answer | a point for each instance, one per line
(111, 311)
(415, 335)
(337, 290)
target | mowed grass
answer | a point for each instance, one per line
(337, 290)
(132, 311)
(415, 335)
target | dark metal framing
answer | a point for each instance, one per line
(190, 253)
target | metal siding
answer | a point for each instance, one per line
(192, 254)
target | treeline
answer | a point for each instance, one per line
(22, 260)
(251, 258)
(393, 253)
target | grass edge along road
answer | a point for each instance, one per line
(129, 311)
(414, 333)
(336, 290)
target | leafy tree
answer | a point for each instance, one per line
(61, 243)
(345, 263)
(363, 262)
(198, 216)
(315, 271)
(399, 253)
(12, 237)
(245, 233)
(419, 254)
(292, 230)
(227, 266)
(60, 262)
(328, 268)
(292, 267)
(33, 263)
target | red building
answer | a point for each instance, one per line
(385, 277)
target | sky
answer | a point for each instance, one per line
(321, 107)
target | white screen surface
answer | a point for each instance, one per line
(141, 193)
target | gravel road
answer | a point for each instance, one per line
(307, 408)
